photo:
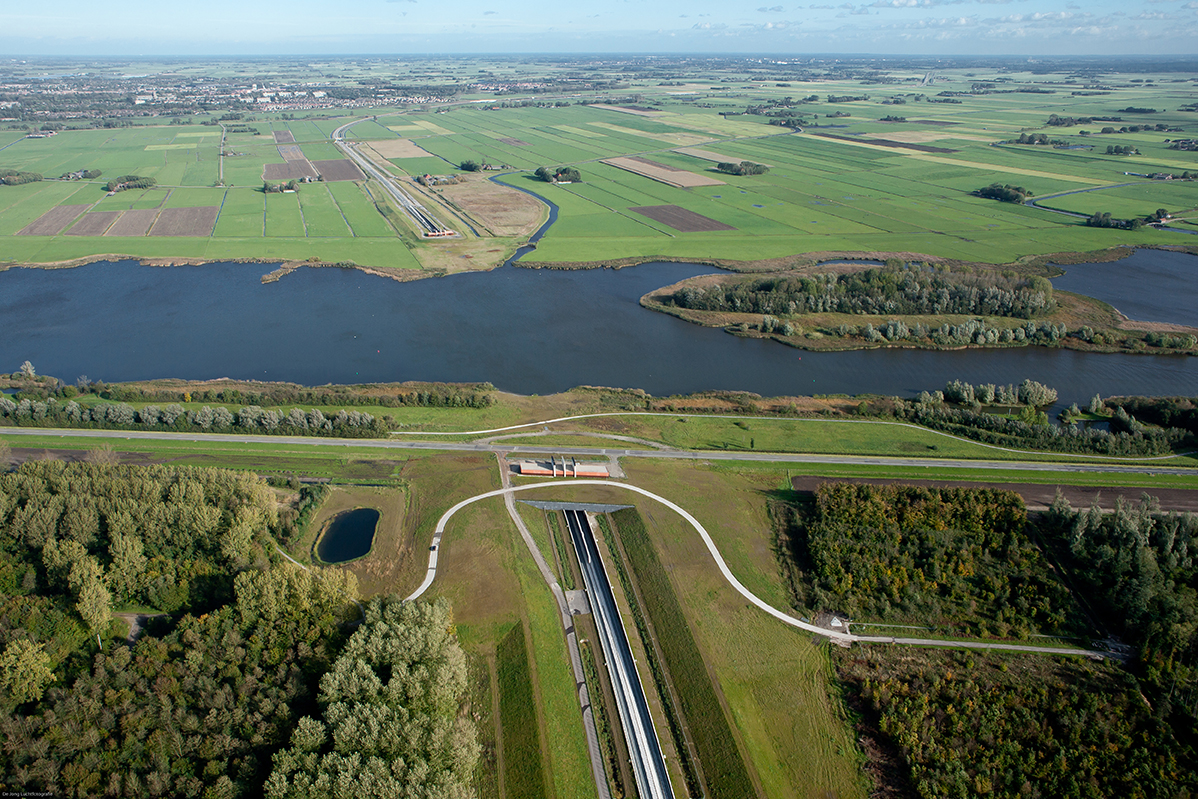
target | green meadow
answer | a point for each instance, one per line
(841, 180)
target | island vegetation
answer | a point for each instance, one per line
(913, 304)
(901, 289)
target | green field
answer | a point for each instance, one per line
(523, 776)
(723, 769)
(322, 216)
(831, 187)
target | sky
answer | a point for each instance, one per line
(274, 27)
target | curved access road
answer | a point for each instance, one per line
(736, 584)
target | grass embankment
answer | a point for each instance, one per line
(690, 773)
(569, 764)
(603, 725)
(568, 442)
(777, 681)
(726, 422)
(391, 560)
(523, 774)
(820, 436)
(724, 772)
(1131, 480)
(564, 564)
(485, 570)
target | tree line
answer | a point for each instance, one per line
(273, 394)
(1032, 431)
(125, 182)
(250, 419)
(911, 290)
(1029, 392)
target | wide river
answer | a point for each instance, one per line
(525, 330)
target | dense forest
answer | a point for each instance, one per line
(964, 725)
(905, 289)
(1138, 567)
(390, 723)
(230, 657)
(954, 559)
(969, 724)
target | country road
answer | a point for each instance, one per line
(839, 637)
(702, 455)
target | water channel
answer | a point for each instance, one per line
(525, 330)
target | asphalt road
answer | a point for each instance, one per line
(702, 455)
(844, 638)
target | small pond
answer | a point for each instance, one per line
(348, 536)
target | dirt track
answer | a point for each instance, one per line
(1037, 496)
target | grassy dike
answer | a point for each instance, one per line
(723, 768)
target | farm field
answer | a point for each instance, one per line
(862, 168)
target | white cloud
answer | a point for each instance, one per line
(912, 3)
